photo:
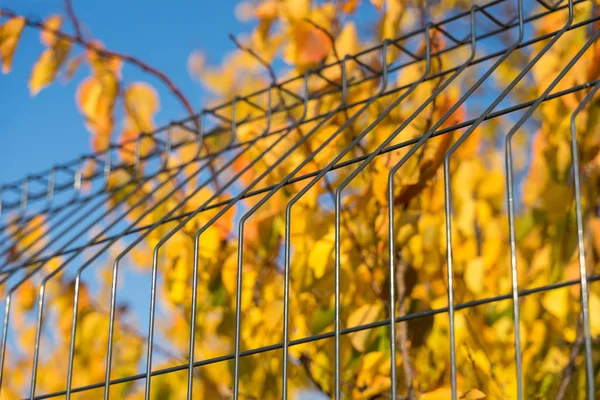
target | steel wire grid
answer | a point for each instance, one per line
(82, 232)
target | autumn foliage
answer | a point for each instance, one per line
(156, 195)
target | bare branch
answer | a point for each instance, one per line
(73, 18)
(401, 287)
(570, 367)
(264, 63)
(108, 53)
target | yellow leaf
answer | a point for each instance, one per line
(26, 295)
(557, 197)
(72, 68)
(142, 104)
(438, 394)
(320, 256)
(347, 41)
(46, 68)
(370, 370)
(563, 156)
(492, 187)
(267, 10)
(361, 316)
(297, 9)
(556, 302)
(96, 97)
(474, 275)
(594, 305)
(10, 32)
(473, 394)
(48, 37)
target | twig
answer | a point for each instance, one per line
(329, 35)
(264, 63)
(402, 266)
(570, 368)
(73, 18)
(78, 39)
(338, 60)
(289, 115)
(108, 53)
(305, 362)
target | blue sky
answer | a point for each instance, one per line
(38, 132)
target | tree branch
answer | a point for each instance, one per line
(264, 63)
(73, 18)
(336, 54)
(402, 290)
(570, 367)
(289, 115)
(108, 53)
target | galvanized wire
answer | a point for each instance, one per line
(71, 217)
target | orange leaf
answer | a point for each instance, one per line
(312, 44)
(349, 6)
(10, 32)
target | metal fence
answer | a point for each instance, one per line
(81, 232)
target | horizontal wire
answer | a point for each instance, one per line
(312, 174)
(217, 130)
(328, 335)
(360, 102)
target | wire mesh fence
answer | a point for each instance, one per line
(444, 181)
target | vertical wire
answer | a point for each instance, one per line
(448, 207)
(584, 299)
(271, 193)
(391, 199)
(164, 218)
(231, 204)
(348, 180)
(364, 165)
(24, 194)
(85, 265)
(145, 234)
(329, 167)
(41, 298)
(153, 287)
(4, 336)
(274, 190)
(137, 167)
(294, 172)
(50, 188)
(42, 292)
(215, 196)
(510, 192)
(286, 290)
